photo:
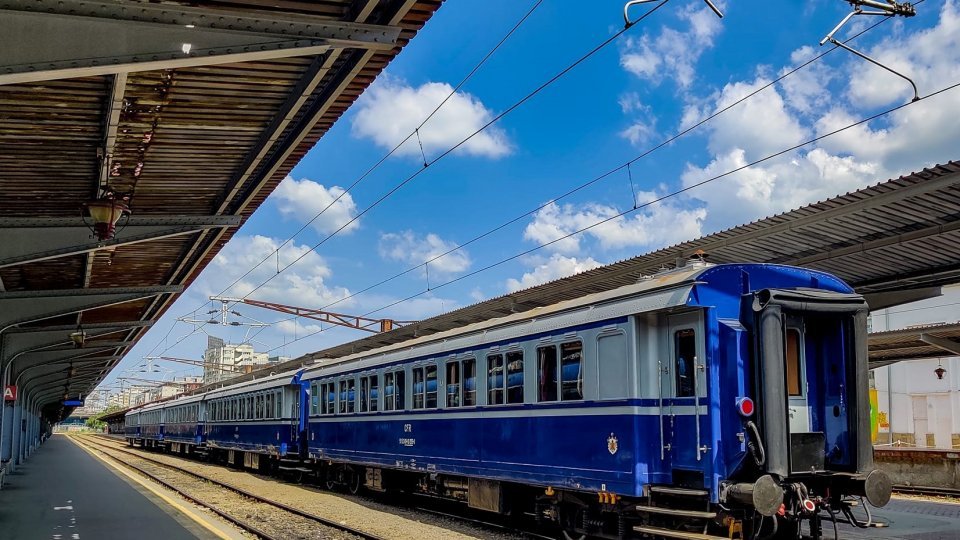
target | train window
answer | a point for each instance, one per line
(314, 398)
(388, 392)
(547, 373)
(329, 392)
(393, 391)
(347, 395)
(368, 393)
(685, 349)
(425, 387)
(612, 366)
(469, 382)
(571, 371)
(495, 379)
(453, 384)
(279, 403)
(514, 380)
(374, 393)
(364, 393)
(418, 388)
(794, 371)
(431, 387)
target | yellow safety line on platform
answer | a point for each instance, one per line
(156, 491)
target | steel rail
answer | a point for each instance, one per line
(237, 490)
(926, 490)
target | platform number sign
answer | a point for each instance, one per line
(10, 393)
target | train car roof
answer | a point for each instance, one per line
(671, 289)
(273, 381)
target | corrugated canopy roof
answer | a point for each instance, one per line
(914, 343)
(197, 108)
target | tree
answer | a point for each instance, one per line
(95, 422)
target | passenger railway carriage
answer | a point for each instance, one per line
(262, 419)
(702, 398)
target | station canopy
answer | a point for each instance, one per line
(178, 118)
(914, 343)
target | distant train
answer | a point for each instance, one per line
(709, 399)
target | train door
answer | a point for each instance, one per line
(797, 387)
(682, 384)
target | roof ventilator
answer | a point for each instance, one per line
(885, 8)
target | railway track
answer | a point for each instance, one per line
(288, 520)
(928, 491)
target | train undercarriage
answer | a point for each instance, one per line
(802, 507)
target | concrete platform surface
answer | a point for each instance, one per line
(63, 493)
(908, 519)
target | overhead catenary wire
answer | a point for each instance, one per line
(453, 148)
(672, 194)
(626, 165)
(383, 159)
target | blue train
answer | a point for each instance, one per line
(701, 399)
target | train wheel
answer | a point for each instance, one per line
(355, 483)
(329, 479)
(570, 515)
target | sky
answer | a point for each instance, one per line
(665, 74)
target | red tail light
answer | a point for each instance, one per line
(745, 407)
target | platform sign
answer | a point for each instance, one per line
(73, 403)
(10, 393)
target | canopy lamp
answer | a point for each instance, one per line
(105, 212)
(79, 337)
(940, 371)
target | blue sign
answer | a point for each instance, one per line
(73, 403)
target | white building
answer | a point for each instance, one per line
(915, 407)
(223, 361)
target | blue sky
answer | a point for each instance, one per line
(678, 66)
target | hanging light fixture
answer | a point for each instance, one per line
(940, 371)
(106, 211)
(78, 337)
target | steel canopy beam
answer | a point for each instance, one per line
(886, 299)
(19, 307)
(948, 345)
(24, 240)
(56, 39)
(18, 341)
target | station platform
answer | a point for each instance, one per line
(64, 493)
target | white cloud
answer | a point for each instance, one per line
(556, 267)
(296, 327)
(653, 226)
(776, 186)
(304, 199)
(672, 53)
(644, 121)
(304, 284)
(760, 125)
(807, 90)
(416, 309)
(816, 102)
(407, 247)
(391, 109)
